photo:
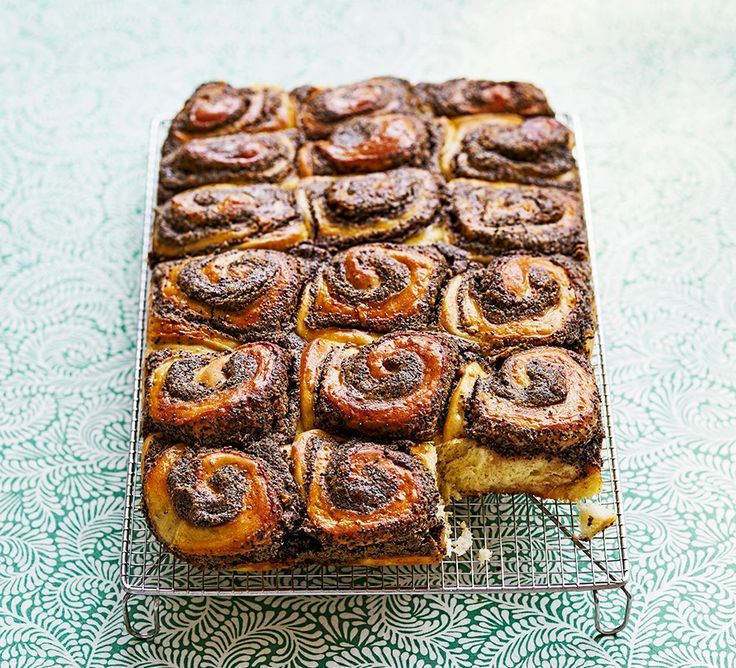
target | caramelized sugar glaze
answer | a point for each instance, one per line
(366, 300)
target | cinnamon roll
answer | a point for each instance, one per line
(369, 503)
(265, 157)
(216, 397)
(525, 421)
(221, 216)
(522, 300)
(373, 144)
(220, 300)
(221, 508)
(395, 387)
(319, 110)
(535, 151)
(384, 206)
(493, 218)
(460, 97)
(373, 288)
(216, 108)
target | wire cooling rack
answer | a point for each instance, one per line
(529, 544)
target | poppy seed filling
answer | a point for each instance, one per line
(210, 504)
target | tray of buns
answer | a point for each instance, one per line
(369, 354)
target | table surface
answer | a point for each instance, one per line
(655, 85)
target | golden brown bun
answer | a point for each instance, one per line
(220, 300)
(383, 206)
(393, 388)
(369, 503)
(460, 97)
(220, 508)
(222, 216)
(524, 421)
(522, 300)
(375, 288)
(493, 218)
(402, 266)
(216, 108)
(218, 397)
(506, 147)
(319, 110)
(374, 144)
(264, 157)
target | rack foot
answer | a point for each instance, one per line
(627, 611)
(153, 631)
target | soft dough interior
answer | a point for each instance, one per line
(466, 468)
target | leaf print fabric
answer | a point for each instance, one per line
(655, 88)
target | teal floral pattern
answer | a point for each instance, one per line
(655, 86)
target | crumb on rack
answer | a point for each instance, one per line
(463, 542)
(484, 554)
(593, 519)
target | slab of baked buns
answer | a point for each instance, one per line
(366, 301)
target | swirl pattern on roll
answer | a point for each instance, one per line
(460, 97)
(217, 108)
(534, 151)
(218, 300)
(383, 206)
(493, 218)
(217, 397)
(525, 421)
(536, 401)
(395, 387)
(375, 288)
(217, 217)
(373, 144)
(522, 300)
(265, 157)
(369, 502)
(220, 508)
(319, 110)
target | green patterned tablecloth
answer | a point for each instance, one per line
(655, 84)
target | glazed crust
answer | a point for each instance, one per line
(393, 388)
(220, 507)
(494, 218)
(383, 206)
(532, 405)
(211, 398)
(374, 144)
(428, 243)
(221, 216)
(320, 110)
(368, 502)
(374, 288)
(541, 400)
(265, 157)
(220, 300)
(460, 97)
(533, 151)
(522, 300)
(217, 108)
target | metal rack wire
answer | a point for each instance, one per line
(531, 542)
